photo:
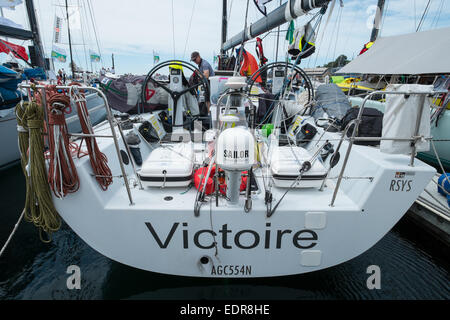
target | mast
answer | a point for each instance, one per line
(39, 49)
(70, 43)
(277, 17)
(112, 58)
(224, 26)
(377, 20)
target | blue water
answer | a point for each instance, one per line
(413, 265)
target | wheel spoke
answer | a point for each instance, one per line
(190, 88)
(159, 83)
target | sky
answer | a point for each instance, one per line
(133, 29)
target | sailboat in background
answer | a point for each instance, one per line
(8, 125)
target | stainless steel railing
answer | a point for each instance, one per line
(111, 121)
(357, 121)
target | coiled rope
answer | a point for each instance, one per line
(62, 177)
(62, 174)
(99, 161)
(39, 207)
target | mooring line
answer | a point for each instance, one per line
(12, 233)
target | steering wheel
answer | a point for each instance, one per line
(175, 95)
(286, 66)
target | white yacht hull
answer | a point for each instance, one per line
(305, 234)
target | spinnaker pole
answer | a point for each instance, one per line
(285, 13)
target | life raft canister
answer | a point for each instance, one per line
(199, 180)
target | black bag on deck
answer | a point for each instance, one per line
(371, 124)
(148, 132)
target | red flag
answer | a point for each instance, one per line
(20, 51)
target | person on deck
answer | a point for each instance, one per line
(206, 69)
(64, 76)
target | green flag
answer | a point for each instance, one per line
(155, 57)
(59, 53)
(290, 32)
(95, 57)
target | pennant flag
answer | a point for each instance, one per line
(18, 51)
(366, 47)
(290, 32)
(155, 57)
(10, 4)
(57, 30)
(95, 57)
(59, 54)
(260, 4)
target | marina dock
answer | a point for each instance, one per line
(431, 212)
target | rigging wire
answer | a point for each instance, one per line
(423, 16)
(189, 29)
(82, 36)
(324, 30)
(173, 31)
(351, 27)
(438, 15)
(316, 29)
(337, 33)
(94, 25)
(88, 33)
(332, 34)
(415, 22)
(229, 11)
(238, 60)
